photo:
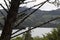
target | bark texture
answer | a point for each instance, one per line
(11, 18)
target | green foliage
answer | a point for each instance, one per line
(37, 38)
(54, 35)
(18, 38)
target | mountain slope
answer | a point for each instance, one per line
(38, 17)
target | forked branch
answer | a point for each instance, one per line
(3, 7)
(6, 4)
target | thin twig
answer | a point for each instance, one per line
(27, 2)
(31, 7)
(2, 13)
(9, 1)
(3, 7)
(17, 31)
(6, 4)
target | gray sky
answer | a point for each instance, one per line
(46, 7)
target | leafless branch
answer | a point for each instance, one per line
(3, 7)
(6, 4)
(28, 2)
(30, 8)
(2, 13)
(17, 31)
(9, 1)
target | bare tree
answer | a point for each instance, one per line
(11, 18)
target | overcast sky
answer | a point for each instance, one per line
(47, 7)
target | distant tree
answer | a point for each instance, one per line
(36, 38)
(54, 35)
(27, 35)
(18, 38)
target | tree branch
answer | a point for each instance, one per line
(6, 4)
(27, 2)
(9, 1)
(30, 8)
(3, 7)
(2, 13)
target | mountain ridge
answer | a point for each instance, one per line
(37, 17)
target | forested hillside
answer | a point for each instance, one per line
(37, 17)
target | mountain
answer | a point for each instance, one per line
(38, 17)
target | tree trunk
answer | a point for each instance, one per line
(11, 18)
